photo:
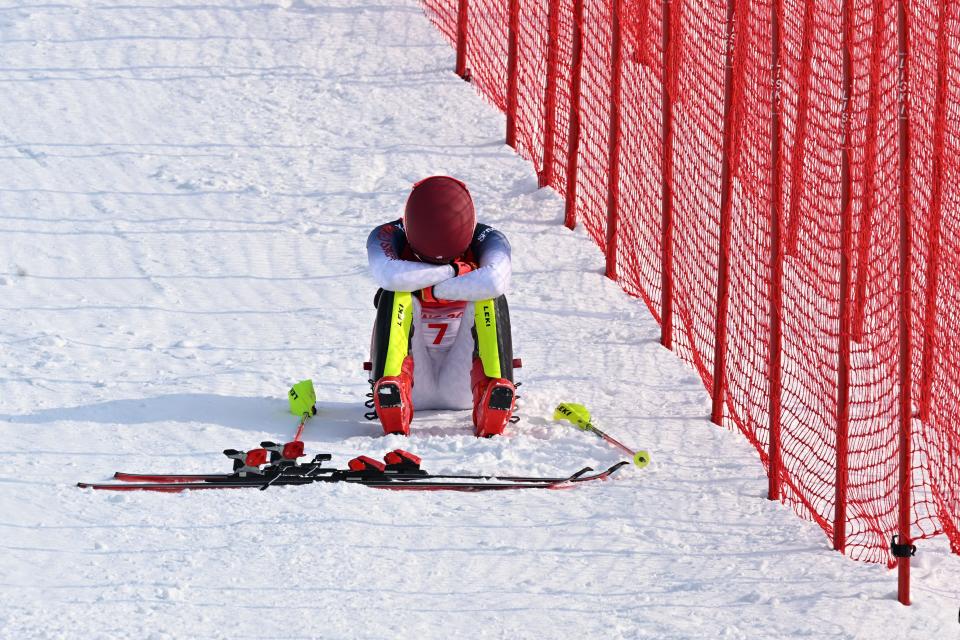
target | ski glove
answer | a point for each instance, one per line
(462, 267)
(427, 297)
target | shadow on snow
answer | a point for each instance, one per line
(335, 421)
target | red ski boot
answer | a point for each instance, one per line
(493, 402)
(392, 400)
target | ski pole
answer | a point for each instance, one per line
(303, 403)
(578, 416)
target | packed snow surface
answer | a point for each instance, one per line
(185, 192)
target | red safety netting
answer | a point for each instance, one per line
(935, 169)
(487, 24)
(639, 238)
(593, 177)
(559, 83)
(839, 190)
(532, 80)
(443, 15)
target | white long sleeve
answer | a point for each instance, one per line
(492, 279)
(392, 273)
(490, 249)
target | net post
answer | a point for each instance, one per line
(666, 177)
(573, 139)
(846, 249)
(545, 177)
(776, 258)
(906, 409)
(726, 193)
(463, 11)
(613, 154)
(513, 34)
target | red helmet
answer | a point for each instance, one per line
(439, 219)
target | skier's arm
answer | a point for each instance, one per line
(491, 280)
(392, 273)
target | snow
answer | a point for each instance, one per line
(185, 192)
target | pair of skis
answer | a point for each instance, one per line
(275, 464)
(400, 471)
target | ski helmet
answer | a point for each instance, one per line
(439, 219)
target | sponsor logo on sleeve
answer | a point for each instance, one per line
(386, 236)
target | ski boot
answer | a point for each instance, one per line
(494, 400)
(392, 400)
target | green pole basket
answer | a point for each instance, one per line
(303, 398)
(575, 414)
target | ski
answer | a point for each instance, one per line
(398, 465)
(263, 475)
(277, 465)
(379, 481)
(174, 487)
(121, 476)
(563, 483)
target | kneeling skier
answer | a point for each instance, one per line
(441, 339)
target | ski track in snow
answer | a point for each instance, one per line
(186, 191)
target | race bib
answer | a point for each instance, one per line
(441, 324)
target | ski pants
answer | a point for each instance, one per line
(440, 381)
